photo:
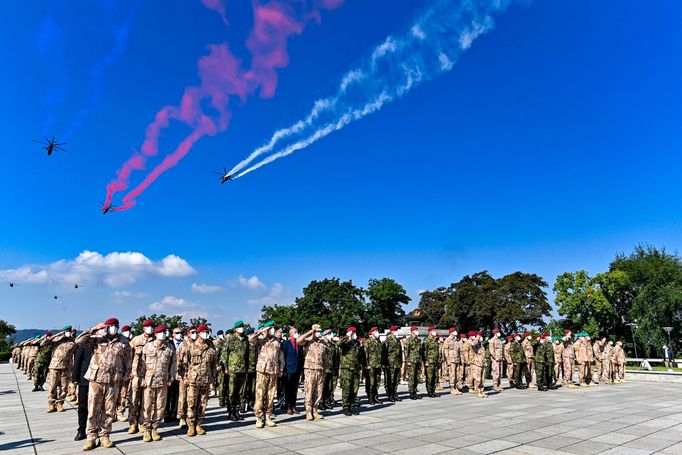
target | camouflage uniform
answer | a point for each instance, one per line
(109, 366)
(220, 377)
(519, 359)
(589, 360)
(269, 367)
(331, 375)
(510, 363)
(349, 364)
(431, 363)
(182, 358)
(477, 362)
(136, 391)
(581, 358)
(250, 377)
(496, 361)
(31, 354)
(414, 357)
(453, 363)
(314, 375)
(201, 372)
(41, 366)
(465, 351)
(529, 353)
(597, 348)
(393, 358)
(160, 366)
(60, 368)
(373, 356)
(234, 360)
(558, 361)
(618, 359)
(541, 366)
(568, 356)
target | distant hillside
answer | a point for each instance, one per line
(24, 334)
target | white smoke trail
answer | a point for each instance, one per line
(429, 48)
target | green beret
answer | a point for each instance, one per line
(268, 324)
(239, 323)
(229, 331)
(259, 326)
(65, 328)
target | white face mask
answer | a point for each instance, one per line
(353, 337)
(335, 339)
(316, 334)
(67, 334)
(295, 335)
(434, 333)
(193, 335)
(112, 330)
(239, 330)
(415, 333)
(161, 336)
(148, 330)
(126, 334)
(376, 334)
(178, 336)
(271, 331)
(204, 335)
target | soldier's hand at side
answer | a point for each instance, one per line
(178, 378)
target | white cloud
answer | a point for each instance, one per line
(205, 288)
(254, 283)
(277, 295)
(116, 269)
(168, 302)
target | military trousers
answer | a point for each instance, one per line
(101, 409)
(413, 373)
(607, 373)
(431, 373)
(29, 366)
(582, 372)
(558, 370)
(530, 367)
(40, 371)
(540, 374)
(59, 385)
(373, 380)
(135, 401)
(182, 400)
(391, 379)
(197, 400)
(477, 374)
(619, 371)
(236, 389)
(266, 388)
(350, 383)
(519, 369)
(221, 385)
(314, 384)
(123, 398)
(453, 372)
(154, 406)
(328, 390)
(249, 394)
(510, 373)
(468, 376)
(496, 371)
(569, 367)
(600, 369)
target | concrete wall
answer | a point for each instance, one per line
(653, 376)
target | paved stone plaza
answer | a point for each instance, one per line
(632, 418)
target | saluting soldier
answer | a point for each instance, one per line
(42, 363)
(136, 391)
(477, 364)
(496, 348)
(453, 360)
(350, 349)
(160, 366)
(313, 367)
(233, 360)
(431, 361)
(202, 362)
(414, 354)
(269, 368)
(393, 359)
(373, 358)
(63, 347)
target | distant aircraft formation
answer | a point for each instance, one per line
(13, 284)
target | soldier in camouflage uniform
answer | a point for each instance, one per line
(349, 361)
(373, 354)
(414, 354)
(233, 361)
(160, 366)
(314, 366)
(529, 353)
(431, 361)
(618, 359)
(540, 365)
(465, 353)
(549, 360)
(392, 358)
(477, 362)
(558, 348)
(453, 360)
(519, 359)
(182, 357)
(31, 354)
(42, 364)
(136, 391)
(202, 364)
(568, 357)
(496, 348)
(125, 387)
(269, 367)
(250, 378)
(331, 369)
(109, 366)
(63, 347)
(508, 360)
(219, 343)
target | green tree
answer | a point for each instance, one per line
(520, 300)
(434, 305)
(159, 319)
(197, 321)
(386, 300)
(6, 332)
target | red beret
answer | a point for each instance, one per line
(517, 335)
(414, 327)
(462, 335)
(496, 330)
(191, 328)
(393, 328)
(351, 329)
(160, 328)
(433, 327)
(567, 332)
(526, 334)
(48, 333)
(472, 333)
(124, 328)
(202, 328)
(546, 335)
(111, 321)
(363, 339)
(509, 337)
(147, 323)
(479, 334)
(373, 329)
(452, 329)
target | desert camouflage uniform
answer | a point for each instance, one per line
(597, 348)
(31, 355)
(496, 360)
(201, 372)
(314, 374)
(581, 347)
(618, 356)
(558, 361)
(568, 357)
(160, 366)
(60, 368)
(510, 363)
(453, 363)
(269, 367)
(477, 361)
(136, 391)
(465, 352)
(607, 365)
(529, 353)
(182, 359)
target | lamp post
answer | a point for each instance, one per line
(633, 326)
(670, 345)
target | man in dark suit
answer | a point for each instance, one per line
(80, 367)
(293, 357)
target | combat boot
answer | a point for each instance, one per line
(35, 389)
(156, 436)
(347, 412)
(60, 407)
(40, 388)
(89, 445)
(317, 415)
(497, 389)
(51, 409)
(322, 406)
(133, 429)
(190, 431)
(259, 422)
(269, 422)
(200, 431)
(221, 402)
(147, 436)
(121, 417)
(355, 411)
(482, 395)
(238, 415)
(183, 423)
(396, 397)
(309, 416)
(377, 400)
(106, 443)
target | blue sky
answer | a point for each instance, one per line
(551, 145)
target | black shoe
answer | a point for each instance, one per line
(413, 396)
(355, 411)
(347, 412)
(419, 397)
(232, 417)
(221, 402)
(378, 401)
(239, 415)
(396, 397)
(80, 435)
(330, 404)
(322, 406)
(35, 389)
(41, 388)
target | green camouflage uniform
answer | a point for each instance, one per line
(432, 361)
(41, 366)
(349, 363)
(331, 370)
(393, 359)
(413, 357)
(519, 360)
(540, 366)
(234, 359)
(249, 396)
(222, 379)
(372, 348)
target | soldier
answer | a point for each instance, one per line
(173, 395)
(414, 355)
(477, 364)
(109, 367)
(124, 390)
(269, 367)
(63, 347)
(508, 360)
(519, 360)
(392, 358)
(568, 357)
(465, 351)
(42, 363)
(589, 361)
(331, 368)
(159, 364)
(233, 361)
(373, 358)
(597, 349)
(496, 347)
(349, 363)
(558, 348)
(201, 372)
(452, 359)
(607, 364)
(136, 391)
(431, 350)
(219, 343)
(581, 347)
(16, 352)
(249, 396)
(619, 362)
(182, 358)
(529, 353)
(32, 354)
(313, 367)
(541, 366)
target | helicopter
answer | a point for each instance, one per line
(12, 284)
(106, 208)
(56, 297)
(51, 145)
(75, 286)
(225, 176)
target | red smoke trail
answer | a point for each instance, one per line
(221, 77)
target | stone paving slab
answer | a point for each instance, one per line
(632, 418)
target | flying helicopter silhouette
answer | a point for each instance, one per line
(225, 176)
(106, 208)
(12, 284)
(50, 145)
